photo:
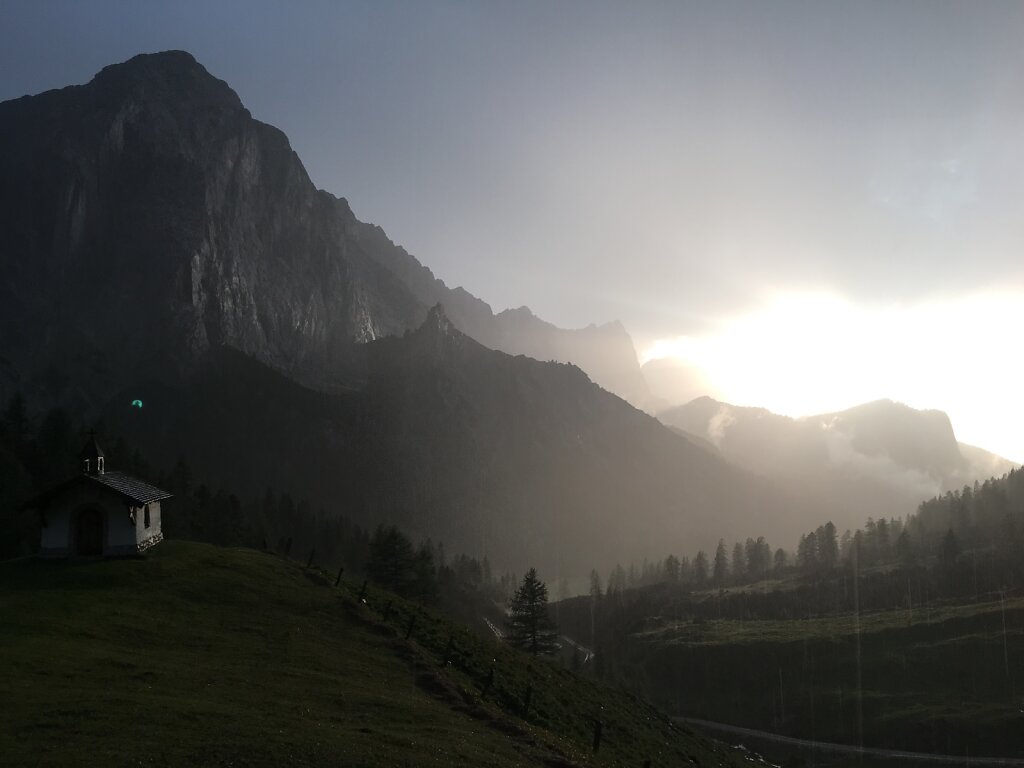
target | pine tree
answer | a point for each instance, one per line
(950, 549)
(780, 560)
(721, 571)
(904, 550)
(672, 569)
(828, 546)
(739, 563)
(393, 561)
(529, 626)
(700, 568)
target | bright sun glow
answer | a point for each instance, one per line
(813, 353)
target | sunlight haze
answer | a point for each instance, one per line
(810, 353)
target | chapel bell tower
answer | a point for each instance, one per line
(91, 457)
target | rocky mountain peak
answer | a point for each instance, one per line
(173, 75)
(437, 321)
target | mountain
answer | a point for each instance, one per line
(522, 460)
(605, 352)
(146, 217)
(879, 459)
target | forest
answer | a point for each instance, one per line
(962, 545)
(860, 637)
(36, 454)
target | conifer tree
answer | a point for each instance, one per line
(700, 568)
(529, 626)
(739, 564)
(392, 562)
(721, 571)
(672, 569)
(780, 560)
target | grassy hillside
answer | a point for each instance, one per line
(940, 678)
(196, 655)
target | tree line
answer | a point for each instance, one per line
(752, 560)
(983, 524)
(36, 454)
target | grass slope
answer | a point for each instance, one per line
(196, 655)
(943, 678)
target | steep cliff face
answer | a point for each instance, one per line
(146, 217)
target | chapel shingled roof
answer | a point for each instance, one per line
(130, 487)
(126, 486)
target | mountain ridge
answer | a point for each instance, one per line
(880, 458)
(487, 452)
(215, 224)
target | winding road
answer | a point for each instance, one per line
(848, 749)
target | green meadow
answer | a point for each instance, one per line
(202, 656)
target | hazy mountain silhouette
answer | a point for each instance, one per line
(520, 459)
(146, 217)
(877, 459)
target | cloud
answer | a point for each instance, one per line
(881, 468)
(719, 424)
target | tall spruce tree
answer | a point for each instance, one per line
(529, 626)
(392, 562)
(700, 568)
(721, 568)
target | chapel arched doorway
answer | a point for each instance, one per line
(89, 532)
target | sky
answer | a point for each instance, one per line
(815, 203)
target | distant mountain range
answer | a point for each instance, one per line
(879, 459)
